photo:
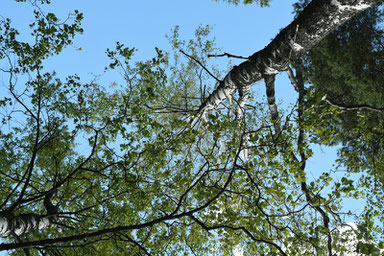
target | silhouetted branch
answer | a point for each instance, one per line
(227, 55)
(198, 62)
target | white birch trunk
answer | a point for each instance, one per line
(318, 19)
(22, 224)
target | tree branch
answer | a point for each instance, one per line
(270, 90)
(118, 229)
(246, 231)
(198, 62)
(292, 78)
(303, 158)
(316, 20)
(353, 106)
(227, 55)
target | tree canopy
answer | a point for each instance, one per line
(163, 164)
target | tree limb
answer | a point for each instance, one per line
(303, 158)
(227, 55)
(246, 231)
(270, 90)
(318, 19)
(201, 65)
(354, 106)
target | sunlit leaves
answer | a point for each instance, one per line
(49, 37)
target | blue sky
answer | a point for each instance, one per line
(239, 30)
(143, 24)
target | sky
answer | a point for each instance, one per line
(240, 30)
(143, 24)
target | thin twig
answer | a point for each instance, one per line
(354, 106)
(227, 55)
(198, 62)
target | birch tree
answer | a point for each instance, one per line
(317, 20)
(131, 168)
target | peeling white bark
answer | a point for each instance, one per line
(22, 224)
(318, 19)
(297, 47)
(345, 7)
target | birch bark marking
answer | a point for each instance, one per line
(318, 19)
(22, 224)
(270, 91)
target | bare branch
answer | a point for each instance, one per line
(227, 55)
(353, 106)
(198, 62)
